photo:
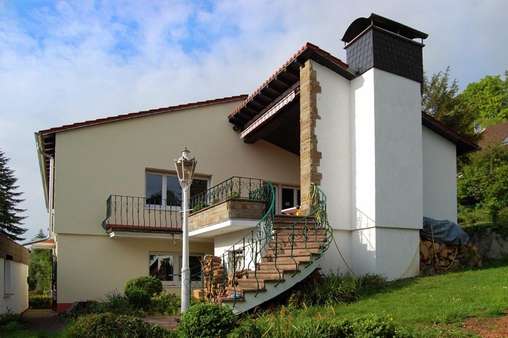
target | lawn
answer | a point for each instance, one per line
(434, 305)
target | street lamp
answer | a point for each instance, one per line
(185, 166)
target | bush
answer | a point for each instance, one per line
(365, 327)
(40, 301)
(207, 320)
(138, 298)
(83, 308)
(165, 303)
(332, 289)
(151, 285)
(114, 326)
(247, 329)
(9, 318)
(118, 304)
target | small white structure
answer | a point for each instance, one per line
(14, 260)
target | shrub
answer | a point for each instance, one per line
(165, 303)
(247, 329)
(365, 327)
(373, 326)
(117, 303)
(151, 285)
(83, 308)
(207, 320)
(138, 298)
(114, 326)
(372, 282)
(40, 301)
(9, 318)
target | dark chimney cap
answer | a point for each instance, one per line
(360, 24)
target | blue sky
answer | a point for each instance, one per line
(67, 61)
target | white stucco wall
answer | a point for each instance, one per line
(15, 301)
(90, 267)
(387, 174)
(398, 151)
(439, 177)
(333, 132)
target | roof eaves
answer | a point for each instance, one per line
(139, 114)
(464, 144)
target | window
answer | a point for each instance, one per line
(8, 267)
(163, 267)
(167, 267)
(290, 197)
(165, 189)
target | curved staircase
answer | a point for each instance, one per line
(279, 253)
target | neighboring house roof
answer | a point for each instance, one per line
(464, 145)
(11, 250)
(494, 135)
(44, 243)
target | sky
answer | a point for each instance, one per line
(68, 61)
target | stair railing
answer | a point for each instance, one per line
(243, 260)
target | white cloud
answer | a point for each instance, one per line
(60, 66)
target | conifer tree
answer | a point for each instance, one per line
(10, 213)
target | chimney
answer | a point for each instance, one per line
(378, 42)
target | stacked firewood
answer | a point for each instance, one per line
(213, 274)
(436, 257)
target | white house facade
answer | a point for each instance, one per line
(318, 128)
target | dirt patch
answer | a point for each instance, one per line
(42, 320)
(488, 327)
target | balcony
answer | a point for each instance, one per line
(133, 214)
(234, 204)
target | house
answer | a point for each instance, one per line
(494, 135)
(14, 261)
(356, 131)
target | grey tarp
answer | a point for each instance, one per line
(443, 231)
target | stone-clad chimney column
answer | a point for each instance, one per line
(309, 155)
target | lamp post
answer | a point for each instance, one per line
(185, 166)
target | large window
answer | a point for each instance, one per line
(165, 189)
(167, 267)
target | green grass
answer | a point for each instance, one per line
(430, 305)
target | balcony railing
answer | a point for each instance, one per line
(130, 213)
(243, 188)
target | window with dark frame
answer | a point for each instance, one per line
(165, 190)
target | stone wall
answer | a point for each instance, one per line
(230, 209)
(309, 155)
(491, 243)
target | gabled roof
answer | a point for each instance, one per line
(494, 135)
(284, 78)
(143, 113)
(45, 139)
(464, 145)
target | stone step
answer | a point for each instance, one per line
(250, 284)
(266, 275)
(271, 266)
(299, 238)
(296, 245)
(293, 251)
(286, 260)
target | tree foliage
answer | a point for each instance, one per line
(10, 213)
(483, 182)
(441, 99)
(39, 271)
(488, 98)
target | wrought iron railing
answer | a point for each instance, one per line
(132, 213)
(278, 246)
(236, 187)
